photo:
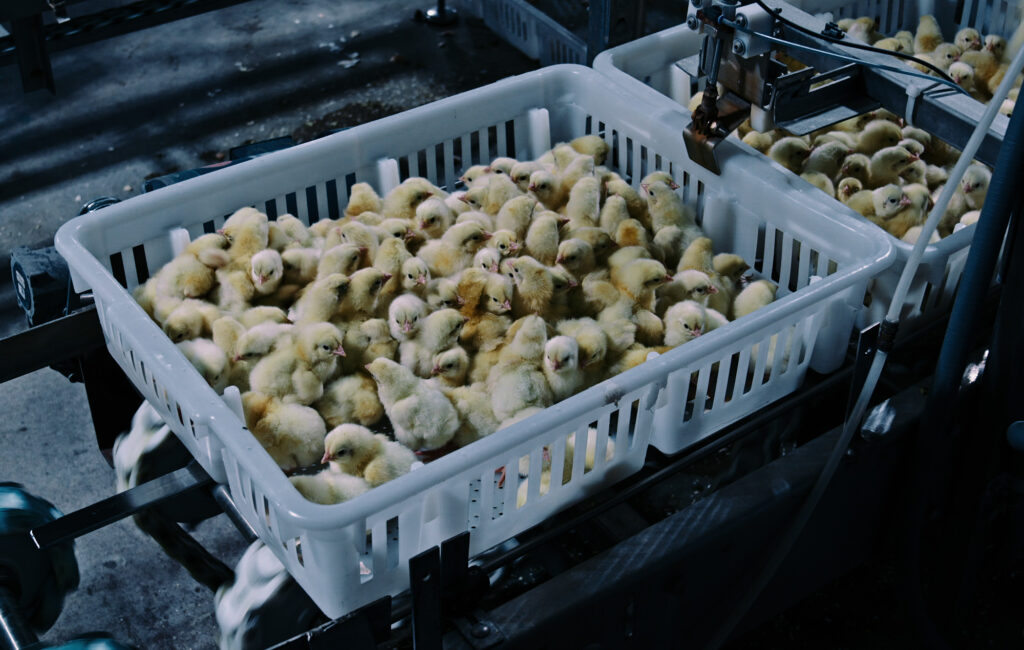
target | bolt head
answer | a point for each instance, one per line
(738, 47)
(692, 23)
(480, 631)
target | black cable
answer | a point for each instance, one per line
(777, 13)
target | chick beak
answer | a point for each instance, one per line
(460, 300)
(562, 221)
(573, 283)
(263, 278)
(493, 268)
(407, 327)
(712, 289)
(514, 246)
(559, 260)
(990, 47)
(667, 278)
(486, 235)
(532, 187)
(506, 305)
(696, 331)
(905, 201)
(338, 351)
(464, 199)
(387, 276)
(236, 358)
(409, 235)
(844, 170)
(674, 185)
(422, 279)
(220, 231)
(436, 370)
(556, 366)
(326, 458)
(914, 157)
(644, 187)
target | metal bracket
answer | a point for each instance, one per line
(867, 343)
(805, 101)
(121, 505)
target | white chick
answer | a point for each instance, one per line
(266, 271)
(542, 239)
(967, 38)
(439, 331)
(684, 321)
(357, 451)
(296, 373)
(320, 299)
(666, 208)
(402, 201)
(329, 486)
(887, 164)
(562, 367)
(974, 185)
(455, 250)
(434, 217)
(423, 418)
(404, 316)
(790, 152)
(415, 276)
(476, 417)
(209, 359)
(363, 198)
(516, 215)
(450, 367)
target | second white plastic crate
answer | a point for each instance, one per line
(529, 30)
(647, 67)
(350, 554)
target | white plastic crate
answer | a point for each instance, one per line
(987, 16)
(647, 68)
(349, 554)
(529, 30)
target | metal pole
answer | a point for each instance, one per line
(15, 634)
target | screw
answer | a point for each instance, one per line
(741, 20)
(738, 47)
(692, 23)
(480, 631)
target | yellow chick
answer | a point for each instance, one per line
(698, 255)
(450, 367)
(470, 177)
(914, 233)
(320, 300)
(291, 433)
(599, 241)
(584, 206)
(358, 234)
(631, 232)
(848, 187)
(404, 316)
(455, 250)
(434, 217)
(820, 181)
(668, 245)
(592, 344)
(613, 213)
(502, 165)
(423, 418)
(296, 373)
(357, 451)
(593, 146)
(439, 331)
(635, 203)
(974, 185)
(248, 232)
(888, 200)
(266, 270)
(476, 417)
(300, 265)
(689, 284)
(329, 486)
(963, 75)
(415, 276)
(363, 198)
(562, 367)
(351, 398)
(887, 165)
(207, 358)
(287, 231)
(535, 286)
(191, 274)
(516, 214)
(443, 293)
(485, 220)
(863, 29)
(490, 196)
(666, 208)
(190, 319)
(790, 152)
(827, 158)
(983, 63)
(967, 38)
(906, 39)
(928, 36)
(862, 202)
(402, 201)
(684, 321)
(755, 295)
(942, 57)
(576, 255)
(517, 382)
(857, 166)
(891, 44)
(487, 259)
(521, 172)
(546, 188)
(762, 142)
(878, 134)
(506, 242)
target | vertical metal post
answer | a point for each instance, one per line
(33, 58)
(15, 634)
(611, 23)
(425, 584)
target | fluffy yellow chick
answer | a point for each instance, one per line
(476, 417)
(488, 198)
(762, 142)
(404, 316)
(613, 213)
(827, 158)
(862, 202)
(546, 187)
(535, 286)
(502, 165)
(599, 241)
(248, 232)
(848, 140)
(593, 146)
(755, 295)
(443, 293)
(207, 358)
(423, 418)
(470, 177)
(584, 205)
(689, 284)
(359, 234)
(906, 39)
(191, 319)
(698, 255)
(516, 214)
(631, 232)
(636, 203)
(592, 344)
(234, 290)
(191, 274)
(857, 166)
(928, 36)
(450, 367)
(287, 231)
(967, 38)
(296, 373)
(363, 198)
(455, 250)
(300, 265)
(266, 271)
(506, 241)
(320, 300)
(402, 201)
(863, 29)
(820, 181)
(983, 63)
(790, 152)
(640, 280)
(878, 134)
(415, 276)
(357, 451)
(888, 200)
(487, 321)
(439, 331)
(517, 382)
(487, 259)
(666, 208)
(291, 433)
(684, 321)
(942, 57)
(891, 44)
(888, 163)
(914, 233)
(365, 342)
(434, 217)
(482, 218)
(352, 398)
(562, 367)
(847, 188)
(576, 255)
(963, 75)
(974, 185)
(329, 486)
(521, 172)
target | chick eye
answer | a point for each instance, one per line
(409, 275)
(325, 347)
(686, 326)
(494, 298)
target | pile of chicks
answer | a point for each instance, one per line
(889, 173)
(452, 315)
(975, 64)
